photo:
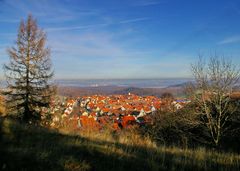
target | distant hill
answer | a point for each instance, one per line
(182, 85)
(133, 90)
(108, 90)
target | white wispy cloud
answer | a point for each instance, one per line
(91, 52)
(149, 2)
(91, 45)
(46, 11)
(96, 25)
(95, 54)
(75, 27)
(133, 20)
(228, 40)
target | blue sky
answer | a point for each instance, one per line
(128, 38)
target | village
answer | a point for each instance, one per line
(116, 111)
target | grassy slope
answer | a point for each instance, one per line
(33, 148)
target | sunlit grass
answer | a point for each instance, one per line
(27, 147)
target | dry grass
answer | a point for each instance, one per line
(2, 106)
(25, 147)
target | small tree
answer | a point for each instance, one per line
(28, 72)
(167, 95)
(167, 99)
(211, 92)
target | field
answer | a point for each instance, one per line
(28, 147)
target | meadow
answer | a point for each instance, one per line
(29, 147)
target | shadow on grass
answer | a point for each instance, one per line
(24, 147)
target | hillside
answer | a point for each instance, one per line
(26, 147)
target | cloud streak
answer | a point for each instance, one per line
(149, 2)
(75, 27)
(133, 20)
(127, 21)
(229, 40)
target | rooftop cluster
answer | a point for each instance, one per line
(119, 110)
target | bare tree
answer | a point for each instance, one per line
(214, 83)
(28, 72)
(167, 99)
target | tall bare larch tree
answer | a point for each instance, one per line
(28, 72)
